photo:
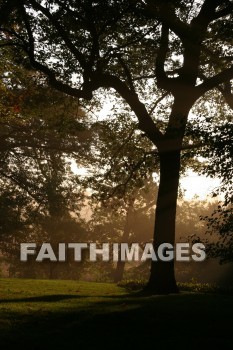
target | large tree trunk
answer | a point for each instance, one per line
(162, 278)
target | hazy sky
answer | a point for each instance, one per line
(198, 185)
(192, 183)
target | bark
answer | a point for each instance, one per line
(162, 277)
(119, 272)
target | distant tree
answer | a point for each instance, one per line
(39, 197)
(122, 188)
(219, 156)
(127, 219)
(220, 223)
(214, 127)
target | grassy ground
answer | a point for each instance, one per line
(41, 314)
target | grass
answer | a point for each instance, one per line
(42, 314)
(191, 286)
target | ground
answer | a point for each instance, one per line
(42, 314)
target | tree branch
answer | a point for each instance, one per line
(31, 46)
(129, 177)
(12, 33)
(62, 33)
(227, 94)
(146, 123)
(157, 102)
(205, 16)
(6, 9)
(163, 81)
(224, 12)
(95, 37)
(127, 72)
(216, 58)
(21, 185)
(85, 93)
(164, 11)
(214, 81)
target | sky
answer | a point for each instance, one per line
(196, 185)
(193, 184)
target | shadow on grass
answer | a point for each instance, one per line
(45, 298)
(117, 322)
(59, 297)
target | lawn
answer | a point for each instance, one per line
(42, 314)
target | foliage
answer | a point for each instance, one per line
(39, 197)
(216, 133)
(192, 286)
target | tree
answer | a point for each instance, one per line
(124, 219)
(139, 49)
(38, 189)
(120, 177)
(218, 154)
